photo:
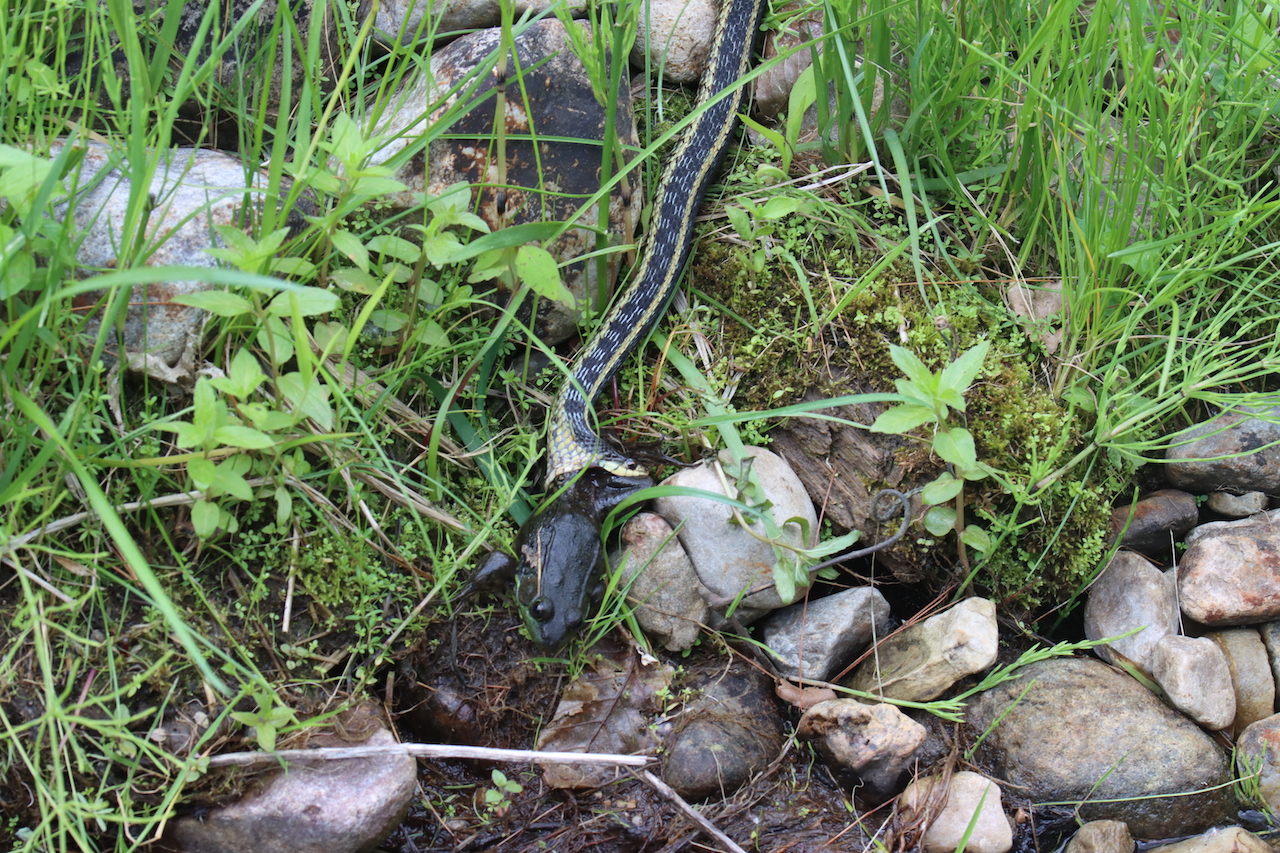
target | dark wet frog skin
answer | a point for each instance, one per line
(559, 558)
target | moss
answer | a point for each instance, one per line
(1049, 543)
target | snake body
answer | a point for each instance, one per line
(585, 477)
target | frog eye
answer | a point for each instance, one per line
(542, 610)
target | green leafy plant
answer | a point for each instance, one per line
(271, 717)
(236, 430)
(498, 798)
(929, 397)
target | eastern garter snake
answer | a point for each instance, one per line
(558, 549)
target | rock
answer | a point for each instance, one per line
(1040, 309)
(1230, 573)
(1271, 639)
(922, 661)
(546, 182)
(403, 22)
(1228, 452)
(1255, 686)
(246, 66)
(339, 806)
(728, 558)
(196, 191)
(675, 37)
(609, 707)
(724, 737)
(1225, 839)
(1086, 733)
(1101, 836)
(1238, 506)
(670, 602)
(816, 639)
(876, 744)
(1131, 593)
(1195, 675)
(1258, 759)
(967, 794)
(1156, 522)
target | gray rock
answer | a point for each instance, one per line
(1224, 839)
(1156, 522)
(967, 794)
(1255, 687)
(1230, 573)
(1258, 759)
(1196, 676)
(340, 806)
(726, 735)
(816, 639)
(1086, 733)
(670, 602)
(729, 558)
(195, 191)
(543, 182)
(876, 744)
(921, 662)
(405, 22)
(1228, 452)
(1131, 593)
(1101, 836)
(675, 36)
(246, 67)
(1238, 506)
(1271, 639)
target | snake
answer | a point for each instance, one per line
(558, 551)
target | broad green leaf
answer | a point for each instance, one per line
(218, 302)
(537, 268)
(430, 333)
(187, 434)
(942, 490)
(307, 398)
(244, 437)
(202, 472)
(903, 418)
(388, 319)
(959, 374)
(940, 520)
(228, 481)
(374, 186)
(350, 246)
(243, 377)
(395, 247)
(784, 582)
(204, 518)
(292, 267)
(740, 220)
(355, 281)
(912, 367)
(310, 301)
(955, 445)
(443, 249)
(275, 338)
(330, 336)
(780, 206)
(284, 506)
(976, 538)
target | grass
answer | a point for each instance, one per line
(1127, 152)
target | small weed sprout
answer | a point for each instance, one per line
(929, 398)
